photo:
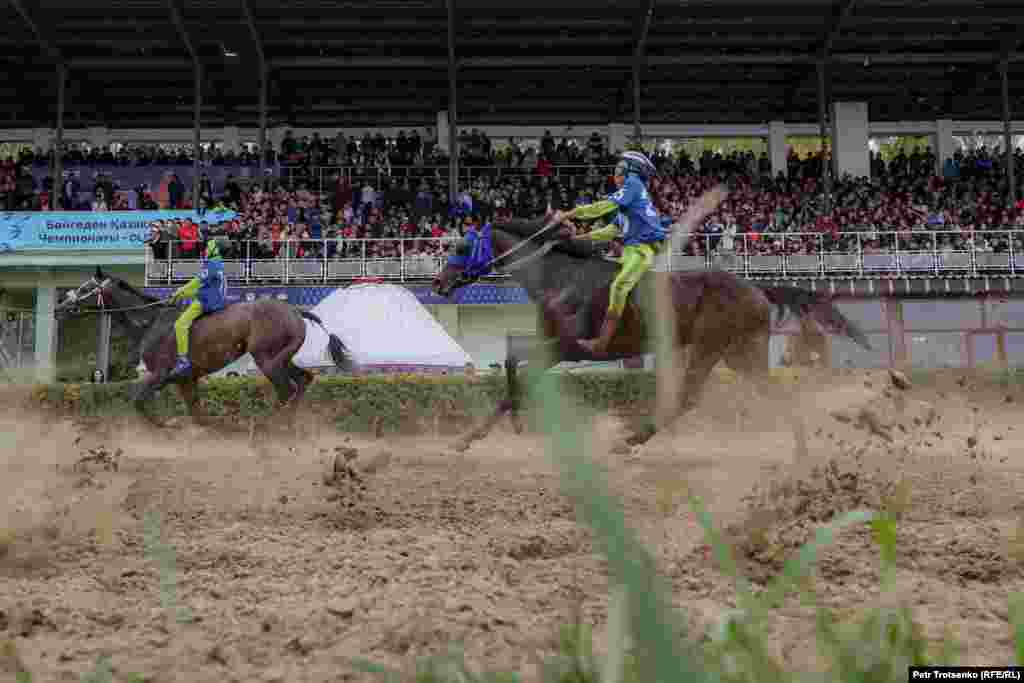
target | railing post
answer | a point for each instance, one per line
(935, 253)
(821, 255)
(287, 260)
(974, 254)
(896, 253)
(401, 262)
(323, 253)
(784, 259)
(746, 256)
(860, 256)
(1013, 261)
(362, 260)
(170, 262)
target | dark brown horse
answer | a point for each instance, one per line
(271, 331)
(720, 316)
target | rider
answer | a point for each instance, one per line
(641, 228)
(211, 287)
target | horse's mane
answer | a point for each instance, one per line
(523, 229)
(131, 289)
(570, 264)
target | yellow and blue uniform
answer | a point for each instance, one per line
(208, 291)
(643, 235)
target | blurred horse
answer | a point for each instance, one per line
(720, 316)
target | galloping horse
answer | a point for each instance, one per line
(272, 331)
(719, 315)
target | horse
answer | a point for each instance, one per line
(719, 316)
(272, 331)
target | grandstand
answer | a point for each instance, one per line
(870, 146)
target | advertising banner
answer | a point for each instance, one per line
(100, 230)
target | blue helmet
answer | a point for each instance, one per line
(636, 162)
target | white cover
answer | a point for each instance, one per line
(381, 324)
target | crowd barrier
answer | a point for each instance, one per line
(419, 259)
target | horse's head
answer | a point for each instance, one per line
(94, 293)
(453, 274)
(470, 259)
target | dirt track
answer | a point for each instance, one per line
(286, 577)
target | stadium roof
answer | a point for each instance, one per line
(362, 62)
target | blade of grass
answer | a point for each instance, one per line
(798, 568)
(1017, 625)
(654, 627)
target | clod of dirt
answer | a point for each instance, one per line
(343, 609)
(900, 380)
(100, 456)
(972, 441)
(341, 476)
(869, 418)
(841, 416)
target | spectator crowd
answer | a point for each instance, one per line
(398, 188)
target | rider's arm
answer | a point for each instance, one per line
(588, 212)
(603, 234)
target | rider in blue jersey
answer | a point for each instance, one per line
(208, 291)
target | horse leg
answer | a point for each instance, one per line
(276, 369)
(703, 358)
(187, 389)
(750, 359)
(147, 388)
(539, 362)
(302, 378)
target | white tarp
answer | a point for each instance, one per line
(382, 325)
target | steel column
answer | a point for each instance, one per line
(57, 189)
(196, 131)
(261, 139)
(257, 42)
(826, 176)
(453, 131)
(1011, 174)
(636, 104)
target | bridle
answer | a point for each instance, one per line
(76, 296)
(465, 278)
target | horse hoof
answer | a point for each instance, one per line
(641, 436)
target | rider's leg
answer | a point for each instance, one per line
(637, 259)
(182, 327)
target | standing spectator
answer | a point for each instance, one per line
(175, 192)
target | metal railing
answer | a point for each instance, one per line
(761, 256)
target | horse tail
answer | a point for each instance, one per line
(339, 352)
(804, 304)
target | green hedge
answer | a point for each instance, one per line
(354, 403)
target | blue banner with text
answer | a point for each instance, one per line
(73, 230)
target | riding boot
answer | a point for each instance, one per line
(599, 347)
(182, 367)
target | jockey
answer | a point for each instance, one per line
(208, 291)
(642, 230)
